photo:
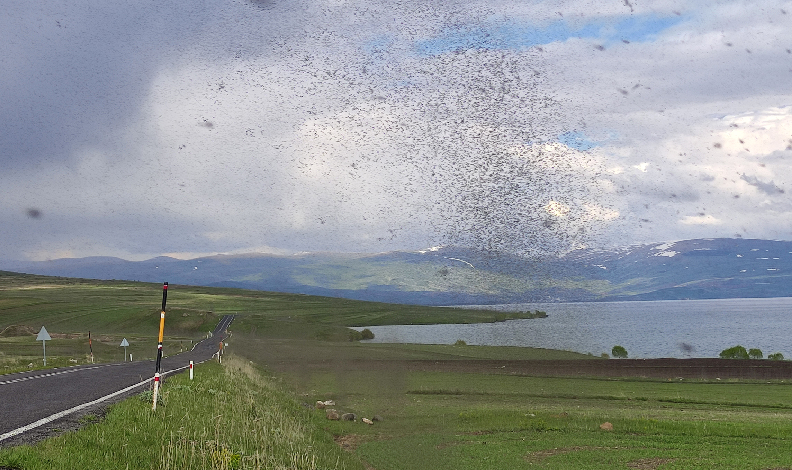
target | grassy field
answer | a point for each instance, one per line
(431, 417)
(113, 310)
(451, 420)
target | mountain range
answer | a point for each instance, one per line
(688, 269)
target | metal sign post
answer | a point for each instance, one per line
(159, 346)
(125, 343)
(43, 336)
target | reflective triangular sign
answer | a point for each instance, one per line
(124, 342)
(43, 335)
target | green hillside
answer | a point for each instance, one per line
(112, 310)
(437, 406)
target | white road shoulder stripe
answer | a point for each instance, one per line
(61, 414)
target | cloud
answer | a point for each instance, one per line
(767, 188)
(700, 220)
(736, 191)
(557, 209)
(141, 129)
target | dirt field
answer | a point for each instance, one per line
(649, 368)
(710, 369)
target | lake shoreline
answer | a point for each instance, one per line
(647, 329)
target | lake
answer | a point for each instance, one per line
(668, 328)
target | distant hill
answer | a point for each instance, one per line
(689, 269)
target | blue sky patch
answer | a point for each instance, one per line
(643, 28)
(378, 44)
(506, 35)
(576, 140)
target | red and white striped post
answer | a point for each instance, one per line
(191, 370)
(159, 347)
(156, 390)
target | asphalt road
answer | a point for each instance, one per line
(30, 397)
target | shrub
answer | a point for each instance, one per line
(619, 352)
(776, 356)
(366, 334)
(355, 335)
(736, 352)
(147, 396)
(460, 342)
(528, 314)
(755, 353)
(605, 356)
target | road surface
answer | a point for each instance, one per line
(29, 399)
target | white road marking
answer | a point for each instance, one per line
(69, 371)
(61, 414)
(50, 374)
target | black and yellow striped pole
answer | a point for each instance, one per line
(159, 346)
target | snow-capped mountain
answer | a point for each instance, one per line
(695, 269)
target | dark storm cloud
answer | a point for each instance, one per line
(76, 75)
(121, 233)
(73, 75)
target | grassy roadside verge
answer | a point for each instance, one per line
(229, 417)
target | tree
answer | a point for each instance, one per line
(619, 352)
(366, 334)
(736, 352)
(755, 353)
(776, 356)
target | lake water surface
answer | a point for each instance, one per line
(668, 328)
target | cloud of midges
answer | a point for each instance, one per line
(531, 128)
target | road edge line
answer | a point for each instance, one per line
(63, 413)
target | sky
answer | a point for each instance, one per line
(140, 129)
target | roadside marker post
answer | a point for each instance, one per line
(125, 343)
(159, 347)
(191, 370)
(43, 336)
(90, 346)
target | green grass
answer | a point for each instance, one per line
(229, 417)
(112, 310)
(432, 418)
(70, 305)
(455, 420)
